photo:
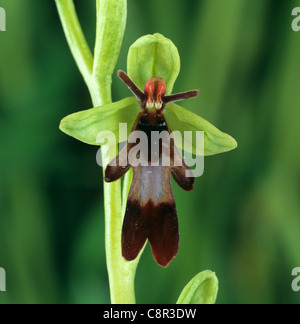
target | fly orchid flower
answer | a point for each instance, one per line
(151, 212)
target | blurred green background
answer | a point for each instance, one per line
(243, 219)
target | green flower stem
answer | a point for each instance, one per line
(97, 73)
(121, 273)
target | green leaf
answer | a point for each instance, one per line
(215, 141)
(86, 125)
(153, 55)
(202, 289)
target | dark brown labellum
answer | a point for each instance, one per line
(151, 212)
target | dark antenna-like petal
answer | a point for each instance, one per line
(132, 86)
(181, 96)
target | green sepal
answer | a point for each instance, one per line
(215, 141)
(86, 125)
(202, 289)
(153, 55)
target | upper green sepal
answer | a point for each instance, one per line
(86, 125)
(153, 55)
(202, 289)
(215, 141)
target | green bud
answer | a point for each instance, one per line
(153, 55)
(202, 289)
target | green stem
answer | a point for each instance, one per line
(121, 273)
(97, 73)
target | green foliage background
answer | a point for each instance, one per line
(243, 219)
